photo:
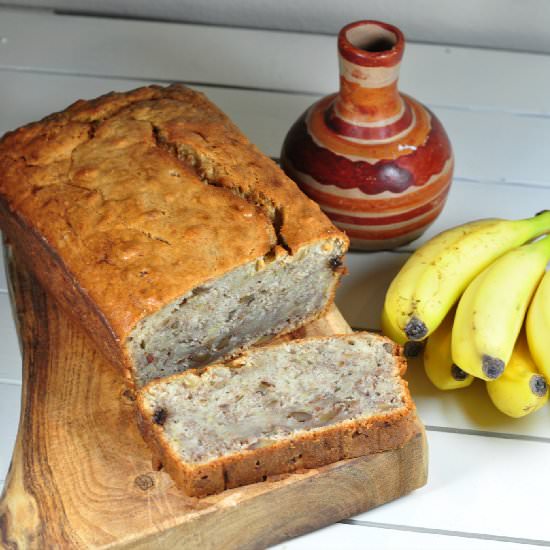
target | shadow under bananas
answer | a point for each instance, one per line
(468, 408)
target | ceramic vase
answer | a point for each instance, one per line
(378, 162)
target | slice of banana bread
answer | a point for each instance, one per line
(276, 409)
(163, 230)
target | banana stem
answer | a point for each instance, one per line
(540, 223)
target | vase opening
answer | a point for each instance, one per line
(371, 38)
(371, 43)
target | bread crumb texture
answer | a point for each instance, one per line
(280, 392)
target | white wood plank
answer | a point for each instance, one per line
(470, 200)
(498, 147)
(352, 537)
(10, 356)
(489, 146)
(478, 484)
(10, 403)
(513, 25)
(437, 75)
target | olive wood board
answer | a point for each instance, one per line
(82, 477)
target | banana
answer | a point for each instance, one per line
(438, 363)
(491, 311)
(400, 292)
(538, 326)
(521, 389)
(435, 276)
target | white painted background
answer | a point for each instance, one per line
(506, 24)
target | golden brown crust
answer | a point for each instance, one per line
(313, 449)
(139, 197)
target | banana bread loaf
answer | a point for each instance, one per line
(165, 232)
(276, 409)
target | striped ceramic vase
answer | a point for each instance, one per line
(378, 162)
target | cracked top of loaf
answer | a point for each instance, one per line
(149, 193)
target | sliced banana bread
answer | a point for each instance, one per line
(163, 230)
(276, 409)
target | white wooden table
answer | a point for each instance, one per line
(489, 484)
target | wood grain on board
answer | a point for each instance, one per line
(81, 476)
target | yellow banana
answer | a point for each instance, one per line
(538, 326)
(438, 363)
(400, 292)
(521, 389)
(435, 276)
(491, 311)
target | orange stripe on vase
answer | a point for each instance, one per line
(395, 218)
(393, 232)
(368, 104)
(365, 133)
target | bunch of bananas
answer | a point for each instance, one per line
(468, 292)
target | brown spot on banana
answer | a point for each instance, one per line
(538, 385)
(492, 367)
(458, 374)
(416, 329)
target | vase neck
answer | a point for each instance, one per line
(369, 105)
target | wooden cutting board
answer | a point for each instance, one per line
(81, 476)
